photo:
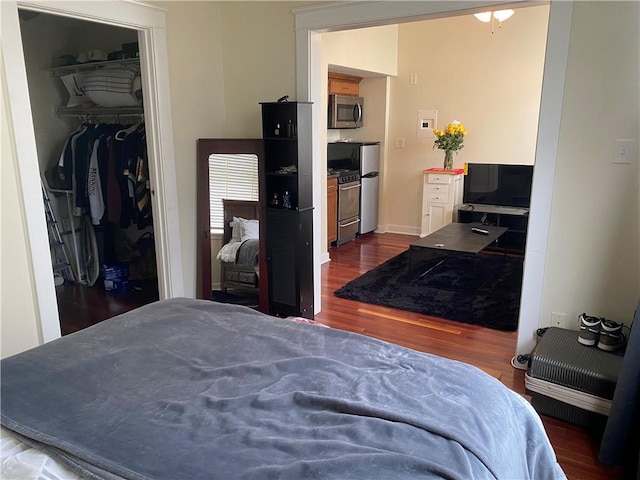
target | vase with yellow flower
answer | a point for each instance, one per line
(451, 139)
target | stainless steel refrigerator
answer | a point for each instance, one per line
(369, 190)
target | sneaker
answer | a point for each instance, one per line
(589, 329)
(611, 337)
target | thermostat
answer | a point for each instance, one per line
(427, 122)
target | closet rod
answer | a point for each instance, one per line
(100, 114)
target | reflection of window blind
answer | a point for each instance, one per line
(232, 176)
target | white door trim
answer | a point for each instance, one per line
(150, 23)
(311, 21)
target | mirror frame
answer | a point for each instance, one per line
(205, 148)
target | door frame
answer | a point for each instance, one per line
(312, 21)
(149, 21)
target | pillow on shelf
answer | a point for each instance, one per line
(111, 87)
(249, 229)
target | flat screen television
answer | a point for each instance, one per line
(497, 184)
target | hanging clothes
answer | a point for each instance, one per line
(106, 167)
(135, 169)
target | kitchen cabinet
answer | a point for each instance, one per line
(287, 187)
(441, 194)
(332, 209)
(343, 84)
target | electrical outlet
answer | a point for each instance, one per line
(559, 320)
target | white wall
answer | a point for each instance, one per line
(489, 82)
(224, 58)
(259, 61)
(17, 311)
(373, 49)
(593, 259)
(194, 44)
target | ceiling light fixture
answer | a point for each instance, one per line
(500, 15)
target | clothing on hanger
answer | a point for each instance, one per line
(106, 167)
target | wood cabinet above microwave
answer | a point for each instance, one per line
(343, 84)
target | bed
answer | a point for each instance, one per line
(191, 389)
(240, 243)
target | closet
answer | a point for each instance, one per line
(90, 137)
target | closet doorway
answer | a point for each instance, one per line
(93, 165)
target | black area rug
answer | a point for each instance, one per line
(248, 299)
(481, 289)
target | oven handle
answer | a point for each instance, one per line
(349, 188)
(342, 225)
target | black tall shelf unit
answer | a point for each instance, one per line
(286, 132)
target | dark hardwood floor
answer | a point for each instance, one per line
(489, 350)
(80, 306)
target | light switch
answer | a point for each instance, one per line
(624, 151)
(398, 142)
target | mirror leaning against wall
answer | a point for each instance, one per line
(230, 253)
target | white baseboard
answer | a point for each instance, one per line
(401, 229)
(324, 258)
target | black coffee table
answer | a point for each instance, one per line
(452, 238)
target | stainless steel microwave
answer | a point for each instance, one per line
(345, 111)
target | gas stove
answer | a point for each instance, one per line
(345, 175)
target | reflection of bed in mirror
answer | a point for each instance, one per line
(208, 149)
(240, 246)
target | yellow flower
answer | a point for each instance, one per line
(451, 138)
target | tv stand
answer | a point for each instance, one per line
(516, 219)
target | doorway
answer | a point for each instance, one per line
(150, 23)
(89, 124)
(311, 22)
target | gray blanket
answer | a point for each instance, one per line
(247, 254)
(190, 389)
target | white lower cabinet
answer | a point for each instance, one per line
(441, 194)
